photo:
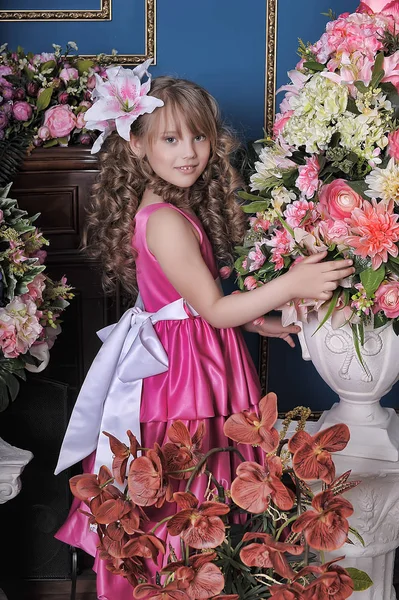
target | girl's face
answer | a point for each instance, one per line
(176, 154)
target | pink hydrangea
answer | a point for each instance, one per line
(19, 327)
(308, 180)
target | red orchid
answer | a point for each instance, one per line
(131, 570)
(184, 451)
(255, 486)
(326, 527)
(199, 526)
(145, 546)
(250, 428)
(311, 454)
(269, 554)
(156, 592)
(89, 485)
(291, 591)
(121, 455)
(147, 482)
(333, 581)
(201, 579)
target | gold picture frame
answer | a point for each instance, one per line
(105, 13)
(270, 93)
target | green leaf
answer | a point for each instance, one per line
(28, 73)
(377, 72)
(331, 306)
(44, 99)
(357, 535)
(361, 86)
(371, 279)
(361, 580)
(254, 207)
(314, 66)
(47, 66)
(395, 326)
(286, 226)
(84, 66)
(50, 144)
(359, 187)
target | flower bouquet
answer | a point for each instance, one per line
(264, 537)
(328, 180)
(43, 101)
(30, 302)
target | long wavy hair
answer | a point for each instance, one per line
(123, 178)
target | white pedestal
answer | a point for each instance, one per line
(376, 517)
(12, 463)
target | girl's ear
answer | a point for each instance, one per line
(137, 146)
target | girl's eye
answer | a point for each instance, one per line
(170, 140)
(200, 138)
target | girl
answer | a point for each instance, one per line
(164, 215)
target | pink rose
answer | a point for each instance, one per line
(387, 299)
(250, 282)
(393, 144)
(43, 133)
(225, 272)
(339, 200)
(80, 120)
(22, 111)
(60, 120)
(334, 231)
(69, 74)
(63, 98)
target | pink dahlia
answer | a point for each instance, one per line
(376, 231)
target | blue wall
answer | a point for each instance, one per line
(221, 45)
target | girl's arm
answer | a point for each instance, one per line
(173, 242)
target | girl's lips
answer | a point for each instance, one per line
(186, 168)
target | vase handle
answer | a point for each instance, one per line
(304, 346)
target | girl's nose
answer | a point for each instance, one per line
(189, 150)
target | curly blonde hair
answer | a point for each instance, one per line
(123, 178)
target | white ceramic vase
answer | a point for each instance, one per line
(360, 387)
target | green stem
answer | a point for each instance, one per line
(180, 471)
(160, 523)
(284, 525)
(205, 458)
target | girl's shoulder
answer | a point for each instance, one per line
(144, 214)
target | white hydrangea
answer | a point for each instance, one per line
(317, 107)
(364, 133)
(272, 162)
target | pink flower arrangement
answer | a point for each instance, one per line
(44, 97)
(30, 302)
(329, 178)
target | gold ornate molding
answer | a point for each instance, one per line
(270, 93)
(103, 14)
(81, 15)
(270, 71)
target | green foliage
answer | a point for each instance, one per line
(12, 155)
(361, 580)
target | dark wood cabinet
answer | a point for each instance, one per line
(56, 182)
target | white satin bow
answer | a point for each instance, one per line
(110, 396)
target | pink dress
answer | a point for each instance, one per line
(210, 377)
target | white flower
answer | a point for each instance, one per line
(73, 45)
(270, 167)
(281, 196)
(384, 183)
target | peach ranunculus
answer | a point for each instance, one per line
(376, 231)
(311, 454)
(326, 527)
(200, 526)
(338, 199)
(249, 428)
(269, 554)
(183, 451)
(147, 481)
(256, 485)
(393, 144)
(200, 578)
(387, 299)
(60, 120)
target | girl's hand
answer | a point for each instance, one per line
(272, 327)
(317, 280)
